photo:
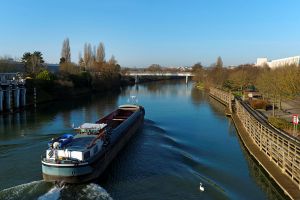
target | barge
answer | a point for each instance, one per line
(83, 156)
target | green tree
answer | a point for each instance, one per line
(198, 71)
(33, 62)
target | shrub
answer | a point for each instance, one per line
(258, 104)
(69, 68)
(65, 83)
(81, 80)
(237, 94)
(44, 75)
(280, 123)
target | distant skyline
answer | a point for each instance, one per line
(166, 32)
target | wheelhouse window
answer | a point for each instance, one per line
(87, 155)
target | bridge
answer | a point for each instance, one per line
(173, 74)
(11, 79)
(12, 91)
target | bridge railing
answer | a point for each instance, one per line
(11, 79)
(159, 74)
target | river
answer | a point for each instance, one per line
(186, 140)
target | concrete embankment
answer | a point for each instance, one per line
(277, 153)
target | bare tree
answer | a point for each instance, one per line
(81, 61)
(69, 68)
(219, 62)
(87, 55)
(242, 76)
(100, 56)
(268, 84)
(289, 80)
(154, 68)
(112, 60)
(94, 55)
(66, 51)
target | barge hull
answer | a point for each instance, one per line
(98, 167)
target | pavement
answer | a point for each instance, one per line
(289, 108)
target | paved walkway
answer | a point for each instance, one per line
(289, 107)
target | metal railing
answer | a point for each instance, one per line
(280, 147)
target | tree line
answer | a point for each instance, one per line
(281, 83)
(92, 69)
(92, 64)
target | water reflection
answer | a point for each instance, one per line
(217, 107)
(169, 87)
(10, 125)
(256, 171)
(198, 97)
(262, 178)
(52, 114)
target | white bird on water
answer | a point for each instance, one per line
(201, 188)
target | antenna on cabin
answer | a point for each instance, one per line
(133, 100)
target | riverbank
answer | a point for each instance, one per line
(49, 91)
(271, 150)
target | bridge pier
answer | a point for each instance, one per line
(22, 97)
(136, 79)
(12, 97)
(8, 98)
(17, 97)
(12, 92)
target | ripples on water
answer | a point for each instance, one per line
(46, 191)
(185, 140)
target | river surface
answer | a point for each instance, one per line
(186, 140)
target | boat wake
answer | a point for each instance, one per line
(53, 194)
(150, 125)
(30, 190)
(94, 191)
(47, 191)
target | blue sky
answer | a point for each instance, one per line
(143, 32)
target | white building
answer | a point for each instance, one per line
(295, 60)
(261, 62)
